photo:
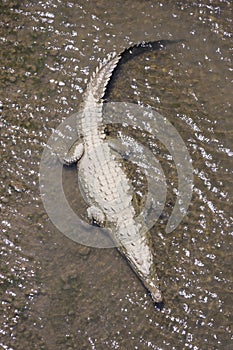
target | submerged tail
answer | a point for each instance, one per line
(100, 78)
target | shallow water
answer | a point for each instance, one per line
(57, 294)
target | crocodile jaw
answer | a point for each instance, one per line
(139, 253)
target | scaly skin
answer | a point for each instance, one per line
(105, 185)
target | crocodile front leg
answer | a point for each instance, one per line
(96, 215)
(75, 153)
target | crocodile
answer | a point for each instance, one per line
(102, 180)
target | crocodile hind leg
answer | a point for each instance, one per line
(74, 153)
(96, 215)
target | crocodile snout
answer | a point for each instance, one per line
(156, 296)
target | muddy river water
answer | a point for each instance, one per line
(58, 294)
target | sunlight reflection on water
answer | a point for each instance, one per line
(56, 294)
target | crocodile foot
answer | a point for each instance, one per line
(96, 215)
(74, 153)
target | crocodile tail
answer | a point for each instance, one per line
(145, 46)
(100, 78)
